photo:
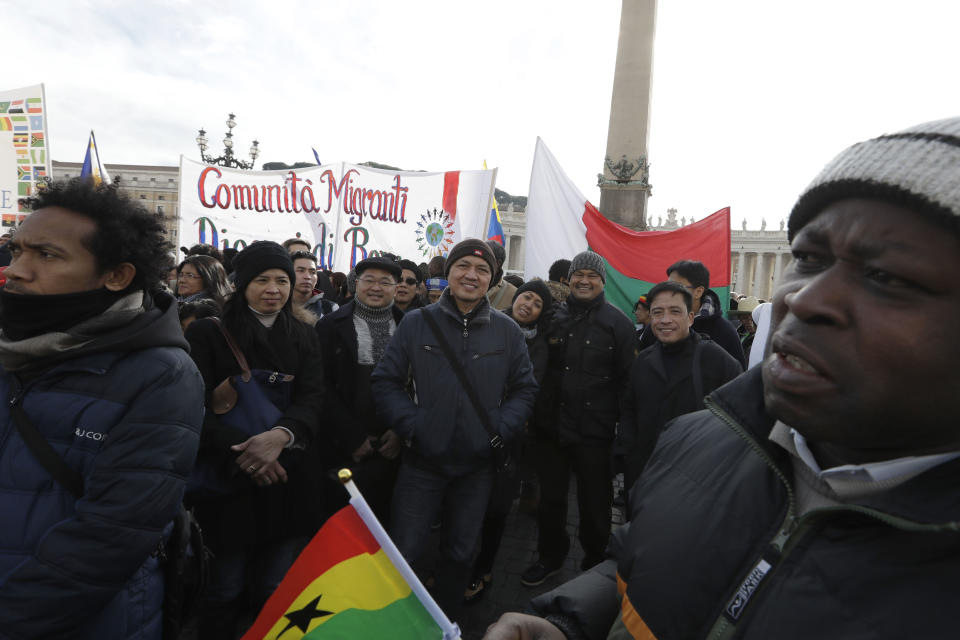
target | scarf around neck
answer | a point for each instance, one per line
(20, 354)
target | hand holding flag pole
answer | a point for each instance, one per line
(450, 629)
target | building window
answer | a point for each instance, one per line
(134, 178)
(153, 179)
(159, 197)
(160, 209)
(143, 197)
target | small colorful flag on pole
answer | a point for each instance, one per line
(495, 227)
(351, 582)
(91, 163)
(316, 155)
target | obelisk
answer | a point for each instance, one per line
(625, 181)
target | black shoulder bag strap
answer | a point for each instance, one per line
(496, 442)
(66, 477)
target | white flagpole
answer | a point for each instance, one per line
(450, 629)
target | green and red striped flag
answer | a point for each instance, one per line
(349, 583)
(561, 223)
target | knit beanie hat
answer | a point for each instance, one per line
(588, 260)
(918, 168)
(257, 258)
(471, 247)
(538, 287)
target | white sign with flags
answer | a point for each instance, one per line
(24, 149)
(347, 212)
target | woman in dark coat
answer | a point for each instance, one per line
(531, 309)
(273, 503)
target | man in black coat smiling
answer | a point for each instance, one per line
(670, 378)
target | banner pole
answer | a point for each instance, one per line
(450, 629)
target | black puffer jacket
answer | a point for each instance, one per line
(441, 427)
(715, 548)
(591, 348)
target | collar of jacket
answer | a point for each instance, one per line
(479, 315)
(930, 500)
(576, 307)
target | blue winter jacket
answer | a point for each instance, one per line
(125, 411)
(443, 429)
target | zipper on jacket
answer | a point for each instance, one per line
(793, 528)
(723, 628)
(790, 522)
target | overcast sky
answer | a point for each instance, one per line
(750, 98)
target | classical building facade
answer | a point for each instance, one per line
(155, 187)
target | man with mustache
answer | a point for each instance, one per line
(816, 496)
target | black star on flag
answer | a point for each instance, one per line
(301, 618)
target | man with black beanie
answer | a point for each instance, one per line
(449, 453)
(407, 288)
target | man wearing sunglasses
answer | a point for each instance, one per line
(410, 278)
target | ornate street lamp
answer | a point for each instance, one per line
(227, 159)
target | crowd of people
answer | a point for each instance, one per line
(239, 382)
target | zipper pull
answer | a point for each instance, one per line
(273, 377)
(465, 332)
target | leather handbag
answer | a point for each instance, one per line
(251, 401)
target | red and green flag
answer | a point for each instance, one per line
(561, 223)
(345, 585)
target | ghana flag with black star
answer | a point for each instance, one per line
(343, 586)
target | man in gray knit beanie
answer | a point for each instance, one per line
(817, 495)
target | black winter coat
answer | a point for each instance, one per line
(342, 428)
(656, 396)
(591, 348)
(442, 428)
(715, 548)
(254, 514)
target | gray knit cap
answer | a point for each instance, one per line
(588, 260)
(918, 168)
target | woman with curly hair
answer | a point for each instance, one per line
(202, 277)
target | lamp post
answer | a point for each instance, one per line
(227, 159)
